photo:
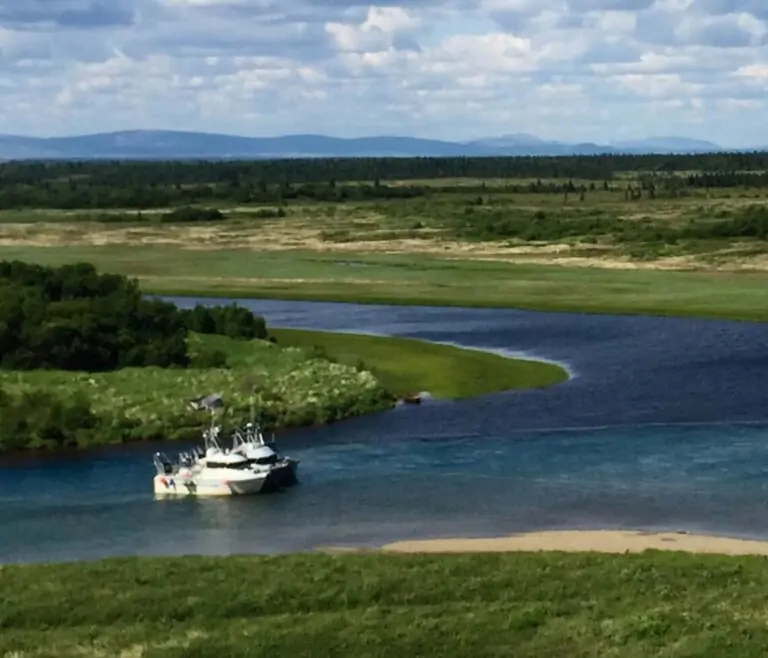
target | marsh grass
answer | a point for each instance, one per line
(406, 366)
(522, 604)
(423, 280)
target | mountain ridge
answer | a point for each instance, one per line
(179, 144)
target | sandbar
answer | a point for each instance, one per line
(602, 541)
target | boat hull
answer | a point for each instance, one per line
(281, 476)
(166, 485)
(291, 473)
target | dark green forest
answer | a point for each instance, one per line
(74, 318)
(157, 184)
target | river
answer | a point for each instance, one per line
(663, 425)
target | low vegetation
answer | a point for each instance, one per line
(534, 604)
(288, 387)
(691, 211)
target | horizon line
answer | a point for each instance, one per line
(569, 142)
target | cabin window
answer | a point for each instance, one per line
(238, 465)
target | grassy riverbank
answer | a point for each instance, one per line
(525, 604)
(405, 366)
(291, 388)
(420, 279)
(308, 378)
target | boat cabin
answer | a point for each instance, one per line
(219, 459)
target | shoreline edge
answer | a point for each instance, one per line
(599, 541)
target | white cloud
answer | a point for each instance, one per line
(564, 69)
(377, 32)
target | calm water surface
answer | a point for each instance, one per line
(664, 425)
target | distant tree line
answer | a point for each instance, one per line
(83, 192)
(158, 184)
(235, 173)
(73, 318)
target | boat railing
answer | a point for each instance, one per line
(211, 439)
(254, 435)
(163, 465)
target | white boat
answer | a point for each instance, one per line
(214, 473)
(264, 456)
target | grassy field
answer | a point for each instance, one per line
(308, 378)
(420, 279)
(407, 366)
(626, 249)
(687, 228)
(526, 604)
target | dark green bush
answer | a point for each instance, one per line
(192, 214)
(231, 320)
(73, 318)
(750, 222)
(38, 418)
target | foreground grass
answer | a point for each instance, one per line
(535, 604)
(407, 366)
(420, 279)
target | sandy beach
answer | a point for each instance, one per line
(603, 541)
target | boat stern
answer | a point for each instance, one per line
(167, 485)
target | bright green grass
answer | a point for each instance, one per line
(537, 605)
(420, 279)
(405, 365)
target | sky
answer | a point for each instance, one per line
(571, 70)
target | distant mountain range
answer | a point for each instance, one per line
(173, 145)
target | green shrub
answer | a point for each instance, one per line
(192, 214)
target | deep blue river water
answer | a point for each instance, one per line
(664, 425)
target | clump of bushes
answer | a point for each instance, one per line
(536, 226)
(73, 318)
(231, 320)
(749, 222)
(192, 214)
(37, 418)
(540, 226)
(267, 213)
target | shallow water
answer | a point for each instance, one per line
(663, 426)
